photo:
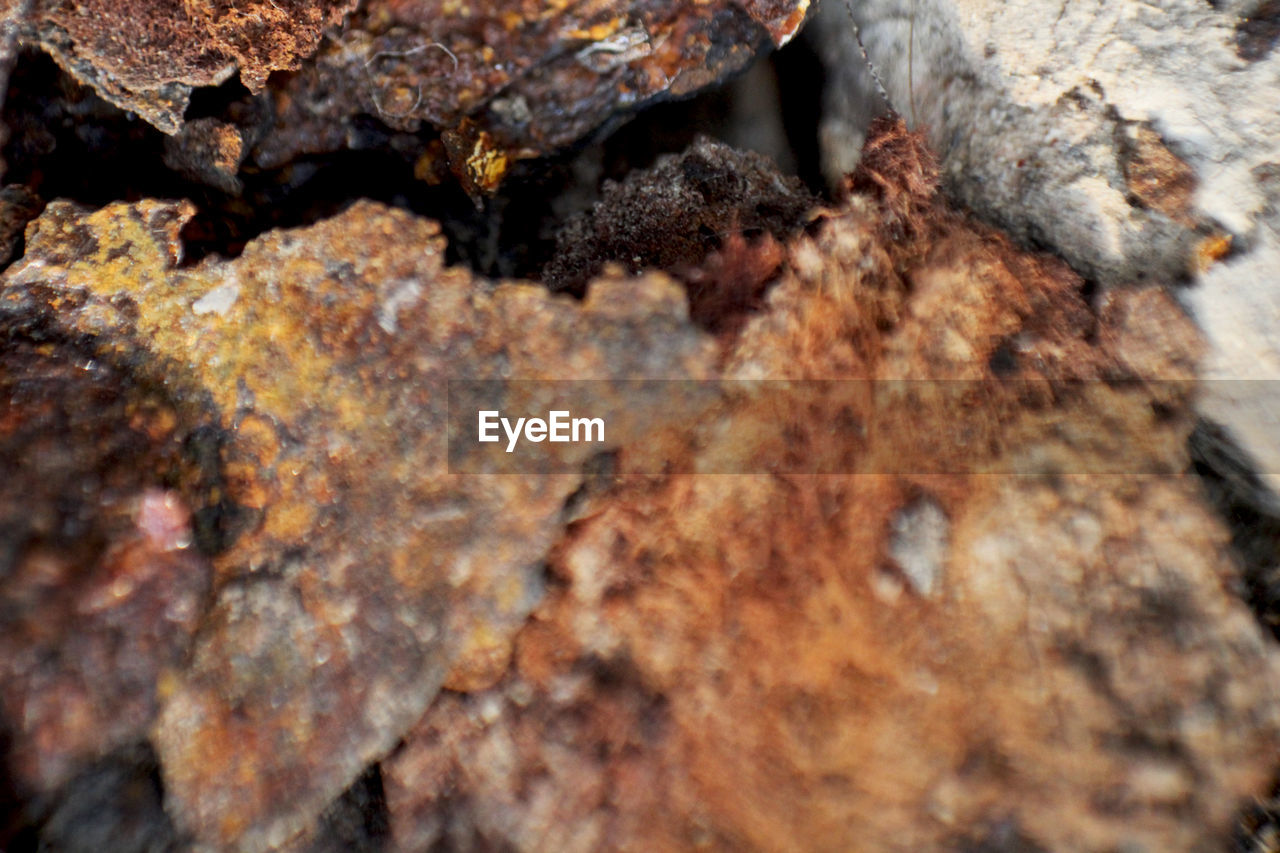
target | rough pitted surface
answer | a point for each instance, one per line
(353, 571)
(1139, 141)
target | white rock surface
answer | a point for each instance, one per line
(1034, 107)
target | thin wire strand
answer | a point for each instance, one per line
(866, 59)
(911, 73)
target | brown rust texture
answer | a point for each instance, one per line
(147, 56)
(352, 572)
(673, 214)
(880, 659)
(100, 585)
(1157, 178)
(209, 151)
(18, 206)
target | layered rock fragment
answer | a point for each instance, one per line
(352, 571)
(148, 57)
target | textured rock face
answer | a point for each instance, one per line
(352, 570)
(502, 81)
(1139, 141)
(510, 82)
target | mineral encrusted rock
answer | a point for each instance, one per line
(209, 151)
(353, 572)
(1139, 141)
(513, 80)
(637, 654)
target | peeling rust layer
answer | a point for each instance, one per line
(355, 573)
(147, 56)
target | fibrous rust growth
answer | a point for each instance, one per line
(711, 215)
(671, 660)
(785, 672)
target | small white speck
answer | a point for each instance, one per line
(919, 544)
(217, 301)
(405, 294)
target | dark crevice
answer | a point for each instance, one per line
(1259, 31)
(217, 101)
(801, 76)
(358, 821)
(1246, 506)
(115, 803)
(67, 143)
